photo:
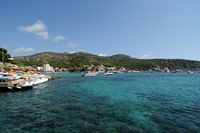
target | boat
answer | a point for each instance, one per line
(38, 79)
(13, 85)
(151, 71)
(135, 71)
(190, 72)
(108, 73)
(174, 71)
(20, 81)
(89, 74)
(115, 71)
(33, 81)
(25, 85)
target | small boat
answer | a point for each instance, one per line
(115, 72)
(173, 71)
(41, 80)
(8, 85)
(38, 79)
(151, 71)
(25, 85)
(89, 74)
(108, 73)
(135, 71)
(15, 82)
(190, 72)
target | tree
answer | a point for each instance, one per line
(4, 56)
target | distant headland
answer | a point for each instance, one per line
(81, 61)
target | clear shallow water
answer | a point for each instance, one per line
(126, 103)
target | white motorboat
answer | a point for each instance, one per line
(26, 84)
(89, 74)
(190, 72)
(135, 71)
(39, 79)
(108, 73)
(35, 80)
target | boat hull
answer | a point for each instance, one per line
(14, 89)
(108, 74)
(89, 75)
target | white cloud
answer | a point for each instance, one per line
(71, 45)
(38, 28)
(58, 38)
(102, 54)
(146, 56)
(23, 50)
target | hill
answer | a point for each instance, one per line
(79, 59)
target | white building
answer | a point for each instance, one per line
(47, 68)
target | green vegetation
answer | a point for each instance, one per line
(78, 60)
(4, 56)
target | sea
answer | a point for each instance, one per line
(123, 103)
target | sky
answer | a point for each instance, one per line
(139, 28)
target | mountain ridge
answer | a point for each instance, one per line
(79, 59)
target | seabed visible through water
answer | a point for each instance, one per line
(124, 103)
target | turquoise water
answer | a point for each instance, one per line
(124, 103)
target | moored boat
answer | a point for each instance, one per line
(108, 73)
(25, 85)
(38, 79)
(190, 72)
(89, 74)
(135, 71)
(173, 71)
(14, 82)
(13, 85)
